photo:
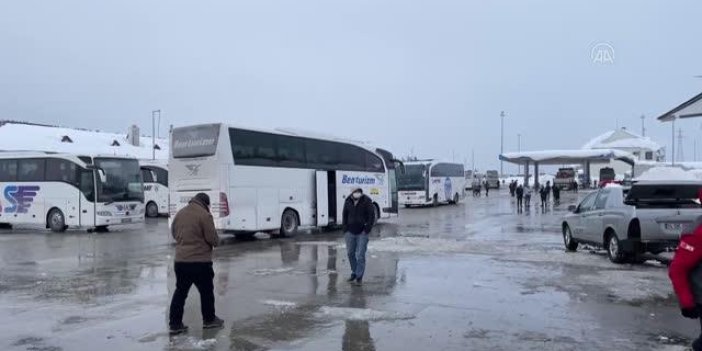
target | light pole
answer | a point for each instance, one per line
(519, 149)
(153, 132)
(643, 126)
(502, 141)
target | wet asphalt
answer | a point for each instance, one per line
(476, 276)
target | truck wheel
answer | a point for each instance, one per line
(376, 213)
(56, 221)
(614, 249)
(570, 243)
(151, 210)
(289, 223)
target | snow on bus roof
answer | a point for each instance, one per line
(27, 137)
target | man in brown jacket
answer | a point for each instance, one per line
(195, 235)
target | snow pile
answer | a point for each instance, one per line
(361, 314)
(25, 137)
(667, 174)
(621, 139)
(191, 343)
(279, 304)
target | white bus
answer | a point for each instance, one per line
(431, 183)
(155, 175)
(59, 191)
(275, 181)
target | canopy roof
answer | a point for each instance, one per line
(559, 157)
(688, 109)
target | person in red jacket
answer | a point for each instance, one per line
(685, 273)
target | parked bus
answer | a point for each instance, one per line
(493, 179)
(63, 190)
(469, 179)
(431, 183)
(275, 181)
(155, 175)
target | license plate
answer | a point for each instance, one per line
(126, 220)
(673, 227)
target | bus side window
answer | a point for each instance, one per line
(87, 184)
(146, 174)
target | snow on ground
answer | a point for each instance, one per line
(361, 314)
(271, 271)
(191, 343)
(280, 304)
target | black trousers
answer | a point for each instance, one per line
(202, 275)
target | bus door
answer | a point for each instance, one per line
(326, 198)
(86, 196)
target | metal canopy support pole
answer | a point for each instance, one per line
(672, 144)
(536, 176)
(588, 175)
(526, 173)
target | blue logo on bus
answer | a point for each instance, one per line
(20, 197)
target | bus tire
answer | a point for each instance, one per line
(289, 223)
(5, 226)
(456, 199)
(56, 221)
(435, 201)
(151, 210)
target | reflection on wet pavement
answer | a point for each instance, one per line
(477, 276)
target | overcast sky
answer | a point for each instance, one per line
(427, 76)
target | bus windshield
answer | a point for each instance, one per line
(414, 178)
(124, 181)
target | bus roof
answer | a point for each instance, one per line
(30, 153)
(429, 162)
(296, 133)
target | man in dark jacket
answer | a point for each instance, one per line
(358, 218)
(195, 235)
(686, 274)
(520, 197)
(556, 195)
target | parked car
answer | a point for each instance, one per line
(648, 217)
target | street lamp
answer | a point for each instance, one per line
(153, 132)
(502, 141)
(519, 149)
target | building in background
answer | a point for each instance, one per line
(22, 136)
(644, 150)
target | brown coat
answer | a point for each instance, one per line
(194, 232)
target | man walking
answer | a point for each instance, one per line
(527, 196)
(520, 196)
(358, 218)
(487, 189)
(556, 195)
(195, 235)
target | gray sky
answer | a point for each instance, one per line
(428, 76)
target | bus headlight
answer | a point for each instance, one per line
(104, 213)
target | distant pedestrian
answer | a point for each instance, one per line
(487, 189)
(358, 218)
(194, 232)
(685, 273)
(548, 190)
(512, 188)
(527, 196)
(544, 197)
(556, 195)
(575, 186)
(520, 197)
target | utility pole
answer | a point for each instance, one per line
(473, 160)
(153, 132)
(672, 143)
(519, 149)
(643, 126)
(502, 141)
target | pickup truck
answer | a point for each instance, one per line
(627, 222)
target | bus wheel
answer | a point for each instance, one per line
(56, 221)
(289, 223)
(435, 202)
(456, 198)
(151, 210)
(5, 226)
(102, 229)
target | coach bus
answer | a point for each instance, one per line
(276, 181)
(59, 191)
(431, 182)
(155, 175)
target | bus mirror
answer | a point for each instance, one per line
(154, 176)
(102, 175)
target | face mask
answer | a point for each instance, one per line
(357, 195)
